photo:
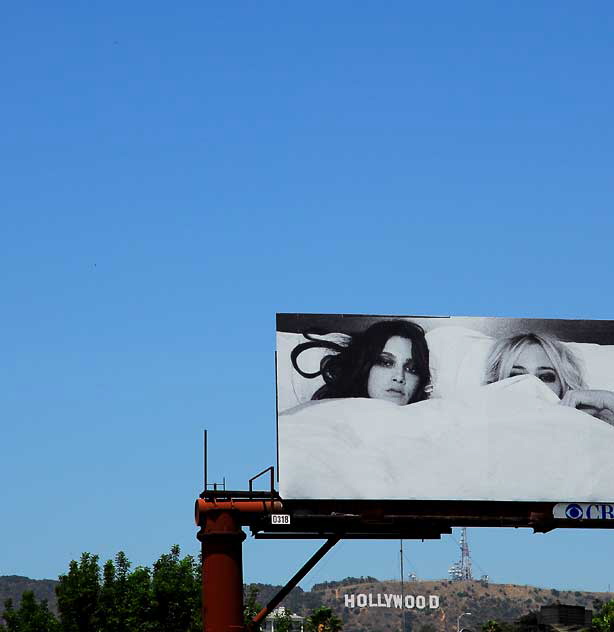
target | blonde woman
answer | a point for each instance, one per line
(552, 362)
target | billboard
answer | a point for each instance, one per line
(445, 408)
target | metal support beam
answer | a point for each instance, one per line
(277, 599)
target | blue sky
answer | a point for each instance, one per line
(174, 176)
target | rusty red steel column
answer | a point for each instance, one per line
(222, 540)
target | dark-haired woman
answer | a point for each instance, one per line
(389, 360)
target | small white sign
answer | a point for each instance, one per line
(280, 519)
(584, 511)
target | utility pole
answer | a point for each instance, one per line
(402, 590)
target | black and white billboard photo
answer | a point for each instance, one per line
(445, 408)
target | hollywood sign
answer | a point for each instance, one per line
(388, 600)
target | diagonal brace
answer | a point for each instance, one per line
(277, 599)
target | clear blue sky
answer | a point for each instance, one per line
(174, 175)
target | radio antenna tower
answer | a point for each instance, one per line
(462, 569)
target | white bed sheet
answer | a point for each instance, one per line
(509, 441)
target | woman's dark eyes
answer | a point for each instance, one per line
(390, 363)
(550, 378)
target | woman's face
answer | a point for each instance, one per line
(533, 360)
(393, 376)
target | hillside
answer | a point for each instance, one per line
(13, 586)
(506, 602)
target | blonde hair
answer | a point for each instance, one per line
(504, 353)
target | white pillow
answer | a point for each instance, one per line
(598, 362)
(457, 358)
(292, 387)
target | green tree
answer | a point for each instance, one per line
(603, 621)
(251, 606)
(78, 595)
(166, 598)
(138, 600)
(176, 593)
(114, 600)
(31, 616)
(282, 620)
(9, 615)
(322, 619)
(491, 626)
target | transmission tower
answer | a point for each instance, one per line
(462, 569)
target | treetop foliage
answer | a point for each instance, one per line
(114, 597)
(348, 581)
(323, 620)
(603, 621)
(165, 598)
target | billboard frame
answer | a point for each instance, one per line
(305, 481)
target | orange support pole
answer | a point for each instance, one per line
(222, 540)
